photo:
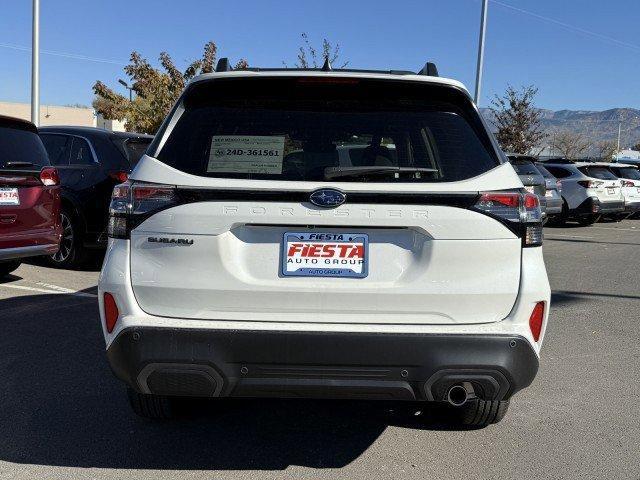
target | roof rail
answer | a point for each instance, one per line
(557, 160)
(429, 69)
(223, 65)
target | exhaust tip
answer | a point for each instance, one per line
(457, 395)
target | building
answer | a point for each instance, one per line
(627, 154)
(113, 125)
(51, 114)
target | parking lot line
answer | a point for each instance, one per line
(566, 236)
(57, 292)
(632, 229)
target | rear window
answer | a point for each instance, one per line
(132, 148)
(524, 167)
(21, 149)
(545, 173)
(627, 172)
(559, 172)
(336, 129)
(601, 173)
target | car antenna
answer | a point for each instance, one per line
(327, 65)
(223, 65)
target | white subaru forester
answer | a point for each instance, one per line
(326, 234)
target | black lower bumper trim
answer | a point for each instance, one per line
(237, 363)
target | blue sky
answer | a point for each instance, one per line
(581, 54)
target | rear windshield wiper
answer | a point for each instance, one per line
(18, 164)
(337, 172)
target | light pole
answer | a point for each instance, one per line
(35, 65)
(619, 132)
(483, 31)
(126, 85)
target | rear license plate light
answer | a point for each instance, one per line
(325, 254)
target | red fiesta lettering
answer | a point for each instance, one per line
(293, 249)
(328, 250)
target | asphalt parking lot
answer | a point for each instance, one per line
(63, 415)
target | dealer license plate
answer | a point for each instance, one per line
(9, 196)
(325, 254)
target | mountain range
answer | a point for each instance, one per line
(597, 126)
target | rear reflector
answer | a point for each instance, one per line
(110, 312)
(536, 319)
(49, 176)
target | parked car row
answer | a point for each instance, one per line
(580, 191)
(55, 188)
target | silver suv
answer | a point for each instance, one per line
(589, 190)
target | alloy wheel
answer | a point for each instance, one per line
(66, 243)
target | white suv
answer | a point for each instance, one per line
(248, 258)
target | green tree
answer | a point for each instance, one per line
(155, 89)
(517, 120)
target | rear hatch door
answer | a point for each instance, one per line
(254, 228)
(25, 205)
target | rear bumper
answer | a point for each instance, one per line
(632, 206)
(31, 251)
(593, 206)
(612, 207)
(258, 363)
(554, 204)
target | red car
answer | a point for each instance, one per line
(29, 196)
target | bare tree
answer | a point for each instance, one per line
(570, 145)
(310, 57)
(517, 120)
(606, 149)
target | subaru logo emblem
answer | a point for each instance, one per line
(327, 198)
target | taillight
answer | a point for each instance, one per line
(520, 212)
(536, 319)
(110, 312)
(119, 176)
(559, 185)
(628, 183)
(590, 183)
(49, 177)
(132, 203)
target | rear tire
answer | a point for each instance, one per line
(7, 267)
(480, 413)
(155, 407)
(560, 219)
(72, 253)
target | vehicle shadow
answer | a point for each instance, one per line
(576, 240)
(93, 263)
(560, 297)
(61, 406)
